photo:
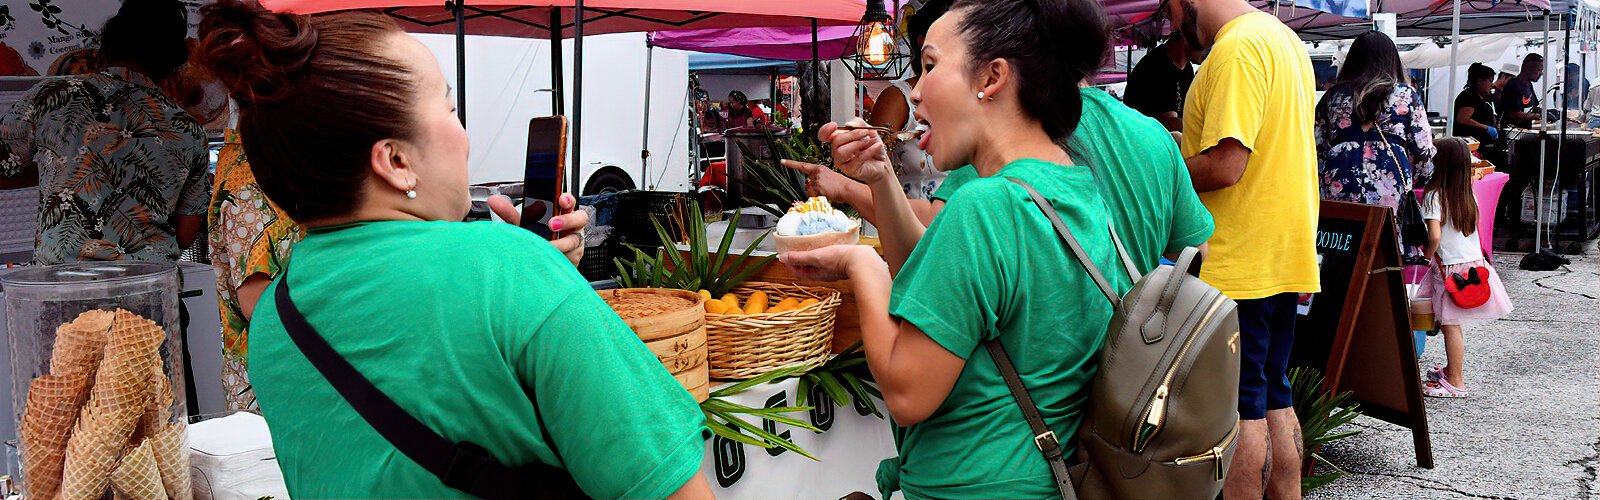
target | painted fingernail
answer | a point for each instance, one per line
(555, 224)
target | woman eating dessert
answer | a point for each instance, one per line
(998, 90)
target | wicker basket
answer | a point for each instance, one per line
(745, 346)
(672, 323)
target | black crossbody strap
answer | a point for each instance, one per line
(464, 466)
(1043, 438)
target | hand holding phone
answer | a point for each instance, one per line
(545, 174)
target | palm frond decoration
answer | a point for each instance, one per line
(767, 184)
(1321, 414)
(726, 418)
(700, 269)
(842, 379)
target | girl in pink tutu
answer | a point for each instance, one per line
(1460, 278)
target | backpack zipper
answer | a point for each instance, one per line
(1214, 454)
(1155, 412)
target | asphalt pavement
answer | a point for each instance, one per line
(1530, 428)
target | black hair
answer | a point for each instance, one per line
(149, 32)
(1052, 45)
(1371, 70)
(1478, 72)
(738, 96)
(917, 28)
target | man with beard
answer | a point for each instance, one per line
(1158, 84)
(1249, 147)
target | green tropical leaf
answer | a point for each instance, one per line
(860, 390)
(726, 431)
(831, 385)
(770, 438)
(1320, 414)
(803, 390)
(765, 378)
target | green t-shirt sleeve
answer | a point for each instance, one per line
(953, 181)
(953, 284)
(1191, 221)
(621, 423)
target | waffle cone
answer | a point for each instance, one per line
(79, 343)
(168, 440)
(138, 477)
(121, 395)
(171, 449)
(55, 400)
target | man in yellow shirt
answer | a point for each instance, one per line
(1248, 142)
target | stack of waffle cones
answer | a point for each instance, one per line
(79, 438)
(54, 400)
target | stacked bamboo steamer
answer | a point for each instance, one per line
(672, 323)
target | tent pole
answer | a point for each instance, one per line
(1455, 40)
(644, 150)
(816, 76)
(577, 97)
(1544, 150)
(558, 104)
(461, 60)
(1566, 86)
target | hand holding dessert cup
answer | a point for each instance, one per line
(815, 224)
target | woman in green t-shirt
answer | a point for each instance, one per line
(480, 331)
(998, 91)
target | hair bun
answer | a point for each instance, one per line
(256, 53)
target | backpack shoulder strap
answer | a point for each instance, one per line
(1043, 438)
(464, 466)
(1076, 249)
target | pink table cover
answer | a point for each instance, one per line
(1487, 191)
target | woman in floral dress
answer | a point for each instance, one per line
(1373, 140)
(250, 240)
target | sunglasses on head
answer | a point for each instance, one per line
(1161, 14)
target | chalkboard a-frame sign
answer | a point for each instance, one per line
(1357, 330)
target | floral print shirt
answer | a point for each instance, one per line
(1356, 166)
(117, 161)
(249, 235)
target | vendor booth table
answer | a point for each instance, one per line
(852, 443)
(1570, 170)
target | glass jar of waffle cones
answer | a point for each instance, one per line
(97, 380)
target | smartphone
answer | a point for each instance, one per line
(545, 174)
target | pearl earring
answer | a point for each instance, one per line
(411, 194)
(980, 95)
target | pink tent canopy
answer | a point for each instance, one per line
(788, 43)
(532, 18)
(555, 19)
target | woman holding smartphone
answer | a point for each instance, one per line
(999, 91)
(473, 329)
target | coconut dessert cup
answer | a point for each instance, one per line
(788, 244)
(815, 224)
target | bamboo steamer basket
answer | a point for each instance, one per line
(672, 323)
(744, 346)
